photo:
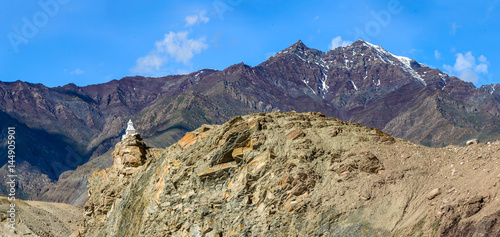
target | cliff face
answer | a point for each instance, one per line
(292, 174)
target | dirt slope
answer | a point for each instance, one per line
(35, 218)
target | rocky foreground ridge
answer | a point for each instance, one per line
(294, 174)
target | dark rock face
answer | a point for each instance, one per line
(66, 127)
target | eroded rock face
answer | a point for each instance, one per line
(129, 155)
(291, 174)
(106, 186)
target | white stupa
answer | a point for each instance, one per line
(130, 130)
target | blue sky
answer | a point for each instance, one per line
(56, 42)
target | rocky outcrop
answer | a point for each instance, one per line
(106, 186)
(129, 155)
(295, 174)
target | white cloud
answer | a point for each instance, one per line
(148, 64)
(482, 68)
(77, 71)
(338, 42)
(437, 54)
(482, 59)
(448, 68)
(175, 46)
(193, 19)
(180, 47)
(466, 67)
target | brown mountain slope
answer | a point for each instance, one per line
(35, 218)
(291, 174)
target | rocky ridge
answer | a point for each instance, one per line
(295, 174)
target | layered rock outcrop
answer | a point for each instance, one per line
(106, 186)
(295, 174)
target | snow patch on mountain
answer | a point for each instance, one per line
(404, 61)
(355, 87)
(307, 84)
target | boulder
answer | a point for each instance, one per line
(472, 142)
(295, 134)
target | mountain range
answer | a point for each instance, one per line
(65, 133)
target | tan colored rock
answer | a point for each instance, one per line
(129, 154)
(188, 139)
(239, 153)
(433, 193)
(214, 170)
(259, 162)
(334, 132)
(106, 186)
(191, 138)
(295, 134)
(239, 182)
(254, 125)
(255, 182)
(207, 127)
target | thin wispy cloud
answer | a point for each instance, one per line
(175, 45)
(466, 67)
(338, 42)
(491, 8)
(454, 28)
(197, 18)
(437, 54)
(77, 71)
(270, 54)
